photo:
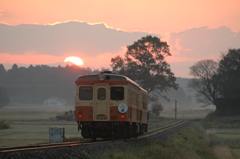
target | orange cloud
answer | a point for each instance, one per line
(177, 44)
(97, 62)
(30, 58)
(187, 49)
(102, 60)
(156, 16)
(1, 12)
(107, 26)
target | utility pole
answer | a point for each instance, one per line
(177, 100)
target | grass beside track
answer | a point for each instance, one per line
(212, 138)
(224, 133)
(189, 143)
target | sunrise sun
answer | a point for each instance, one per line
(75, 60)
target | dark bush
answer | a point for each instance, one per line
(4, 125)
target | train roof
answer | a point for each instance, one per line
(106, 76)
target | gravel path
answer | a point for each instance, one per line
(91, 151)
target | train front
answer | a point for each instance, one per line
(101, 105)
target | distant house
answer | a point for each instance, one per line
(54, 101)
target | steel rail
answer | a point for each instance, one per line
(165, 126)
(162, 129)
(42, 147)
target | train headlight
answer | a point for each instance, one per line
(122, 108)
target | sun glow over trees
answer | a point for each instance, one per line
(75, 60)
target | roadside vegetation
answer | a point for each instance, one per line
(191, 142)
(224, 132)
(188, 143)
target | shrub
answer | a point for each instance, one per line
(4, 125)
(68, 115)
(157, 108)
(83, 155)
(70, 139)
(210, 124)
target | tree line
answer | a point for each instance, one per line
(35, 84)
(217, 79)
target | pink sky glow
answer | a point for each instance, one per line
(193, 29)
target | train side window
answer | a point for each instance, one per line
(117, 93)
(101, 93)
(144, 105)
(144, 102)
(85, 93)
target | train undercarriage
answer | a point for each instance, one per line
(111, 130)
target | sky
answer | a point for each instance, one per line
(46, 32)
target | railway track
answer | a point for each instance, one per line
(43, 147)
(162, 129)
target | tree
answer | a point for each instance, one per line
(144, 62)
(229, 71)
(157, 108)
(205, 81)
(2, 70)
(4, 99)
(3, 73)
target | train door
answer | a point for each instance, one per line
(130, 103)
(101, 102)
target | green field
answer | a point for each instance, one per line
(29, 112)
(224, 132)
(24, 134)
(30, 124)
(186, 114)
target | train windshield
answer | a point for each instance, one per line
(85, 93)
(117, 93)
(101, 93)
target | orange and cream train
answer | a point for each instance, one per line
(110, 106)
